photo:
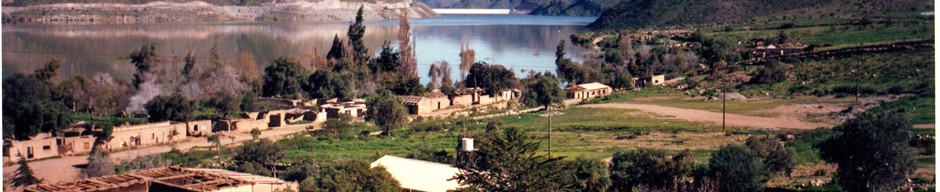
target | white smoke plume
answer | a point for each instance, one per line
(147, 91)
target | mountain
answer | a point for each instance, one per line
(575, 8)
(131, 11)
(658, 13)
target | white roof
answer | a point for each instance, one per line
(593, 86)
(419, 175)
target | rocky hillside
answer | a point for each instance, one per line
(655, 13)
(199, 11)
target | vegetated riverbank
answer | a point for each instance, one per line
(199, 11)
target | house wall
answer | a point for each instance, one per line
(658, 79)
(41, 146)
(246, 125)
(486, 100)
(147, 134)
(462, 100)
(199, 128)
(76, 145)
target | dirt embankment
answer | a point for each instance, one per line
(198, 11)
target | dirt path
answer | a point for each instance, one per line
(64, 169)
(715, 117)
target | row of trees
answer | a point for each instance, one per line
(872, 152)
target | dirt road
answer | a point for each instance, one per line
(64, 169)
(715, 117)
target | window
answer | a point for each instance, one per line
(195, 127)
(153, 136)
(87, 146)
(46, 147)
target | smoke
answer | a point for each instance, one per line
(147, 91)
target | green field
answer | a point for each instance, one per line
(835, 36)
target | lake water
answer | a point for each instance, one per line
(520, 42)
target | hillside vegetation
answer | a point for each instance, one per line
(658, 13)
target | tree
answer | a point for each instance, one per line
(508, 161)
(773, 72)
(99, 164)
(172, 107)
(337, 49)
(30, 107)
(248, 102)
(492, 78)
(389, 59)
(387, 111)
(283, 78)
(408, 86)
(467, 57)
(23, 176)
(216, 140)
(48, 72)
(188, 63)
(357, 31)
(144, 60)
(737, 169)
(327, 84)
(258, 157)
(649, 168)
(75, 91)
(588, 175)
(623, 80)
(225, 103)
(255, 133)
(776, 157)
(872, 151)
(409, 64)
(336, 126)
(542, 89)
(353, 175)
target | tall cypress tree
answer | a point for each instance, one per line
(356, 31)
(336, 51)
(23, 175)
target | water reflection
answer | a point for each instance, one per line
(519, 42)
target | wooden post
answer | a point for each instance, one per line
(549, 130)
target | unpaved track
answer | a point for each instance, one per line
(715, 117)
(64, 169)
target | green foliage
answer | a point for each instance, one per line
(283, 78)
(737, 169)
(144, 60)
(256, 157)
(248, 102)
(878, 73)
(255, 133)
(542, 89)
(574, 8)
(357, 31)
(337, 49)
(225, 103)
(649, 168)
(492, 78)
(776, 158)
(588, 175)
(659, 13)
(772, 73)
(389, 59)
(23, 176)
(326, 84)
(508, 161)
(387, 111)
(340, 127)
(30, 106)
(351, 175)
(872, 151)
(405, 86)
(171, 107)
(429, 154)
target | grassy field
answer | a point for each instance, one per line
(834, 36)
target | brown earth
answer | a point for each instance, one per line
(734, 120)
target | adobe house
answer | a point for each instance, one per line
(279, 103)
(199, 128)
(43, 145)
(466, 97)
(588, 90)
(649, 81)
(131, 136)
(173, 179)
(426, 103)
(77, 141)
(334, 107)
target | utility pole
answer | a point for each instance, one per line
(723, 95)
(857, 80)
(549, 107)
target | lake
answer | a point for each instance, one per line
(520, 42)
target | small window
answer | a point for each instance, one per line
(46, 147)
(153, 136)
(87, 145)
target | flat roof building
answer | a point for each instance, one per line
(172, 179)
(418, 175)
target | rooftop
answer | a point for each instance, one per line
(162, 179)
(419, 175)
